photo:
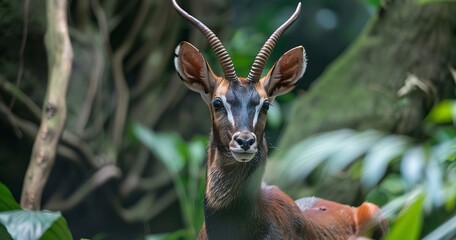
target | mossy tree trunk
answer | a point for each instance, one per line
(365, 87)
(388, 80)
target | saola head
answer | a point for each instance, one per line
(238, 105)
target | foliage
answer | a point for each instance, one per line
(374, 3)
(183, 162)
(24, 224)
(409, 221)
(393, 169)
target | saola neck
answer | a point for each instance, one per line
(232, 198)
(230, 182)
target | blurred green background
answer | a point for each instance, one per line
(371, 120)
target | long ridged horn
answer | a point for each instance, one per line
(220, 51)
(265, 52)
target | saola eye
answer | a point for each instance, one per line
(218, 104)
(265, 106)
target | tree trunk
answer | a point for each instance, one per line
(60, 55)
(388, 79)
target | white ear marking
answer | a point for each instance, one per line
(176, 60)
(304, 63)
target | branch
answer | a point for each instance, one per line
(74, 142)
(60, 55)
(94, 84)
(152, 69)
(147, 207)
(21, 96)
(31, 129)
(163, 99)
(20, 71)
(160, 22)
(130, 182)
(119, 78)
(103, 175)
(133, 180)
(125, 10)
(95, 105)
(82, 15)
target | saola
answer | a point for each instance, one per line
(237, 205)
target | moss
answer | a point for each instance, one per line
(359, 90)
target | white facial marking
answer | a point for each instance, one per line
(228, 110)
(176, 60)
(257, 111)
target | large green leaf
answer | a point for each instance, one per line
(434, 177)
(445, 111)
(183, 162)
(165, 146)
(4, 235)
(58, 230)
(447, 230)
(7, 201)
(351, 149)
(305, 156)
(24, 224)
(412, 165)
(408, 224)
(379, 156)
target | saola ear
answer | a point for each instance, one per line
(285, 73)
(194, 70)
(370, 221)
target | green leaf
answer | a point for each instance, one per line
(378, 158)
(393, 184)
(7, 201)
(445, 111)
(408, 224)
(180, 234)
(378, 196)
(434, 177)
(197, 151)
(24, 224)
(351, 148)
(445, 151)
(412, 165)
(447, 230)
(275, 115)
(58, 230)
(4, 235)
(433, 1)
(165, 146)
(306, 155)
(374, 3)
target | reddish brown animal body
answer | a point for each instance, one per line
(237, 204)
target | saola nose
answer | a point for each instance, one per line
(244, 139)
